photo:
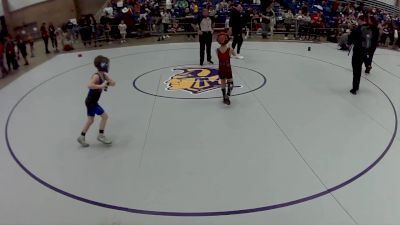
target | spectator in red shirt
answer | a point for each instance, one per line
(317, 24)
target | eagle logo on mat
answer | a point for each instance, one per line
(194, 80)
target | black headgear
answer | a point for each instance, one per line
(102, 63)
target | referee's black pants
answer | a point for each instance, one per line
(237, 40)
(357, 62)
(205, 42)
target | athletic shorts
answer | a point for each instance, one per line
(93, 110)
(225, 75)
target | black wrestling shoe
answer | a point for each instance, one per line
(211, 62)
(368, 69)
(352, 91)
(227, 101)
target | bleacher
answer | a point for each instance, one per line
(393, 10)
(331, 20)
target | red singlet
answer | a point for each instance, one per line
(225, 70)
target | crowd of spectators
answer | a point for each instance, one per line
(305, 19)
(147, 17)
(16, 50)
(335, 19)
(12, 51)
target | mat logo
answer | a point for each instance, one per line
(194, 80)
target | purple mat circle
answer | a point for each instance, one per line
(197, 214)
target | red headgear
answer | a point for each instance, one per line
(223, 38)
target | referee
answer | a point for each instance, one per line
(360, 38)
(236, 28)
(205, 27)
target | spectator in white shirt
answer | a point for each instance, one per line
(122, 30)
(166, 21)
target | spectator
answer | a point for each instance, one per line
(317, 25)
(120, 4)
(373, 26)
(166, 21)
(391, 32)
(150, 20)
(99, 33)
(127, 16)
(76, 30)
(335, 6)
(189, 24)
(31, 43)
(107, 31)
(59, 36)
(104, 19)
(85, 30)
(383, 30)
(122, 30)
(45, 37)
(304, 23)
(212, 11)
(143, 12)
(67, 40)
(142, 27)
(247, 16)
(268, 20)
(168, 4)
(342, 42)
(195, 7)
(52, 34)
(70, 29)
(21, 44)
(11, 56)
(4, 71)
(93, 29)
(289, 21)
(223, 5)
(159, 25)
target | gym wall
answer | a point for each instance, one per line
(90, 6)
(56, 11)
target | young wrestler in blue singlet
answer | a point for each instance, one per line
(99, 81)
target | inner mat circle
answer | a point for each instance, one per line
(194, 82)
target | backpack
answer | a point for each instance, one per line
(366, 35)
